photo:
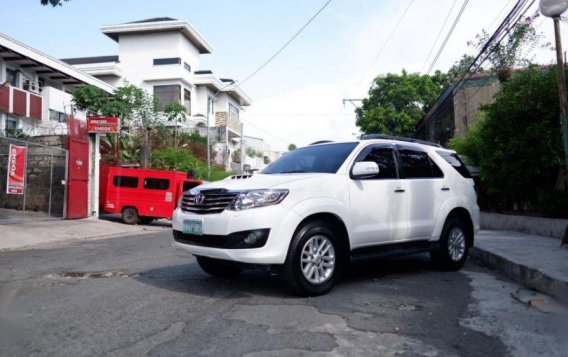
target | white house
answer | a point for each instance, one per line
(258, 154)
(35, 90)
(162, 56)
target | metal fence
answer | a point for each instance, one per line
(45, 174)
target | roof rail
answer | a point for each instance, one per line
(321, 142)
(399, 138)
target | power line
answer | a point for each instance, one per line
(490, 45)
(285, 45)
(439, 34)
(387, 40)
(266, 131)
(448, 36)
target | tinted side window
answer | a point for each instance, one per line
(125, 181)
(417, 164)
(156, 184)
(384, 157)
(456, 162)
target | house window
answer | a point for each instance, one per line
(11, 123)
(233, 111)
(187, 101)
(162, 61)
(167, 94)
(12, 77)
(187, 67)
(56, 116)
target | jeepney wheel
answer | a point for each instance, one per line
(146, 220)
(130, 215)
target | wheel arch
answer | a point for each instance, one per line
(464, 215)
(339, 225)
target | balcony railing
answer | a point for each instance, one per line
(20, 102)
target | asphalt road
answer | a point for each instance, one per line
(136, 295)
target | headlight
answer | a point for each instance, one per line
(257, 198)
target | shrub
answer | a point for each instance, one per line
(183, 160)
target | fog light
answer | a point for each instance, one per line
(250, 239)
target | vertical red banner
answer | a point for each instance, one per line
(16, 170)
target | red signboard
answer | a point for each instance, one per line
(103, 124)
(16, 170)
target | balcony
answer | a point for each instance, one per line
(20, 102)
(231, 121)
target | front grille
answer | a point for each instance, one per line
(215, 201)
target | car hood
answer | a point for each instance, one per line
(257, 181)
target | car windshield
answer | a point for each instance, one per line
(320, 158)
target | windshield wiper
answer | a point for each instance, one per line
(293, 172)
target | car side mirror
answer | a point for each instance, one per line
(364, 169)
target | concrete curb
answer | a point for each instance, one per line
(523, 274)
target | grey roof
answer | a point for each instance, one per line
(90, 60)
(153, 19)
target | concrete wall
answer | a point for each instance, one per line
(549, 227)
(467, 102)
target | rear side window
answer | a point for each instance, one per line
(156, 184)
(385, 159)
(125, 181)
(417, 164)
(454, 160)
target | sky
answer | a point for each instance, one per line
(298, 97)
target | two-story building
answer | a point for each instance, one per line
(162, 56)
(35, 90)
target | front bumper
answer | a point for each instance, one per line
(279, 220)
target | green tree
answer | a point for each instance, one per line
(292, 147)
(515, 50)
(53, 3)
(397, 102)
(517, 143)
(461, 67)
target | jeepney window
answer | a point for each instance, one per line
(156, 184)
(188, 185)
(126, 181)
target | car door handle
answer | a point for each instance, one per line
(399, 190)
(445, 188)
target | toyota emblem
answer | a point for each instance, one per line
(199, 198)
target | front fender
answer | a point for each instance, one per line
(313, 206)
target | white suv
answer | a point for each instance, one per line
(320, 207)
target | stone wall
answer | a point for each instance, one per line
(45, 175)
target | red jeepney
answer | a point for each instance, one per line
(141, 195)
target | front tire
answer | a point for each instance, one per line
(453, 249)
(313, 263)
(219, 268)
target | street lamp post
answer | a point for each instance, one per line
(555, 8)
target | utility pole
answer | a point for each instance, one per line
(554, 9)
(352, 101)
(561, 87)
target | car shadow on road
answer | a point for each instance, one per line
(189, 278)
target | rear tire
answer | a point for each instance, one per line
(219, 268)
(130, 215)
(452, 251)
(314, 263)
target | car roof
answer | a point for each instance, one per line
(416, 143)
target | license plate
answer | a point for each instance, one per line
(193, 226)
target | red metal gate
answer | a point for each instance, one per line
(78, 177)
